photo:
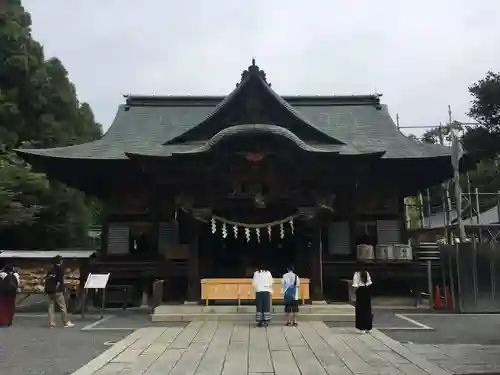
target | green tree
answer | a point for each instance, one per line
(38, 108)
(434, 135)
(485, 139)
(19, 189)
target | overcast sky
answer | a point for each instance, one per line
(421, 55)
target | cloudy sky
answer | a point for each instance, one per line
(421, 55)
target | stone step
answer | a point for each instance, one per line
(321, 312)
(248, 317)
(249, 309)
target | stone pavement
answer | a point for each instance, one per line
(209, 348)
(460, 358)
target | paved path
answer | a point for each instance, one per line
(461, 358)
(209, 348)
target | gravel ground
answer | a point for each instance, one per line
(133, 319)
(460, 344)
(30, 348)
(452, 329)
(382, 318)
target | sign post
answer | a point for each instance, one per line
(95, 281)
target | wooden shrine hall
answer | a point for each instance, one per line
(201, 187)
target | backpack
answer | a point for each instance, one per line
(50, 282)
(290, 292)
(9, 284)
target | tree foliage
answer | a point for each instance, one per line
(486, 104)
(38, 108)
(19, 191)
(442, 134)
(482, 140)
(485, 109)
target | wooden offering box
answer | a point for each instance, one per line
(242, 289)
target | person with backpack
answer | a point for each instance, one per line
(9, 284)
(54, 288)
(290, 283)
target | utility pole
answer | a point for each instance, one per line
(446, 198)
(455, 160)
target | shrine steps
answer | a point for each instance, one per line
(188, 313)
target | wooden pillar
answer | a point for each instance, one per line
(353, 218)
(404, 236)
(154, 215)
(194, 288)
(104, 237)
(316, 263)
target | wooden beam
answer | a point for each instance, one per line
(317, 264)
(194, 287)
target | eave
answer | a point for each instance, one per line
(250, 133)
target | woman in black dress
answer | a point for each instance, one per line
(362, 283)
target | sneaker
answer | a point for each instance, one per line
(52, 325)
(68, 325)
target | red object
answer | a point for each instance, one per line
(7, 307)
(437, 298)
(447, 298)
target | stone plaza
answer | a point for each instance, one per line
(211, 348)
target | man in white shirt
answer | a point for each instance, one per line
(290, 283)
(263, 285)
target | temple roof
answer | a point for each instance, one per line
(258, 97)
(153, 125)
(249, 130)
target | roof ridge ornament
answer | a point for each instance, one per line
(253, 70)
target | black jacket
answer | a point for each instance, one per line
(59, 272)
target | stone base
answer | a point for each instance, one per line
(322, 302)
(179, 313)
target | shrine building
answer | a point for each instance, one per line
(200, 187)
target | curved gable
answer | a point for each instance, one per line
(254, 102)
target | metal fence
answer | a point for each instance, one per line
(471, 271)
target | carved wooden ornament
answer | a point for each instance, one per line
(255, 157)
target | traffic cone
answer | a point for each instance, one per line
(447, 298)
(437, 298)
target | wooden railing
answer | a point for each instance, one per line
(242, 290)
